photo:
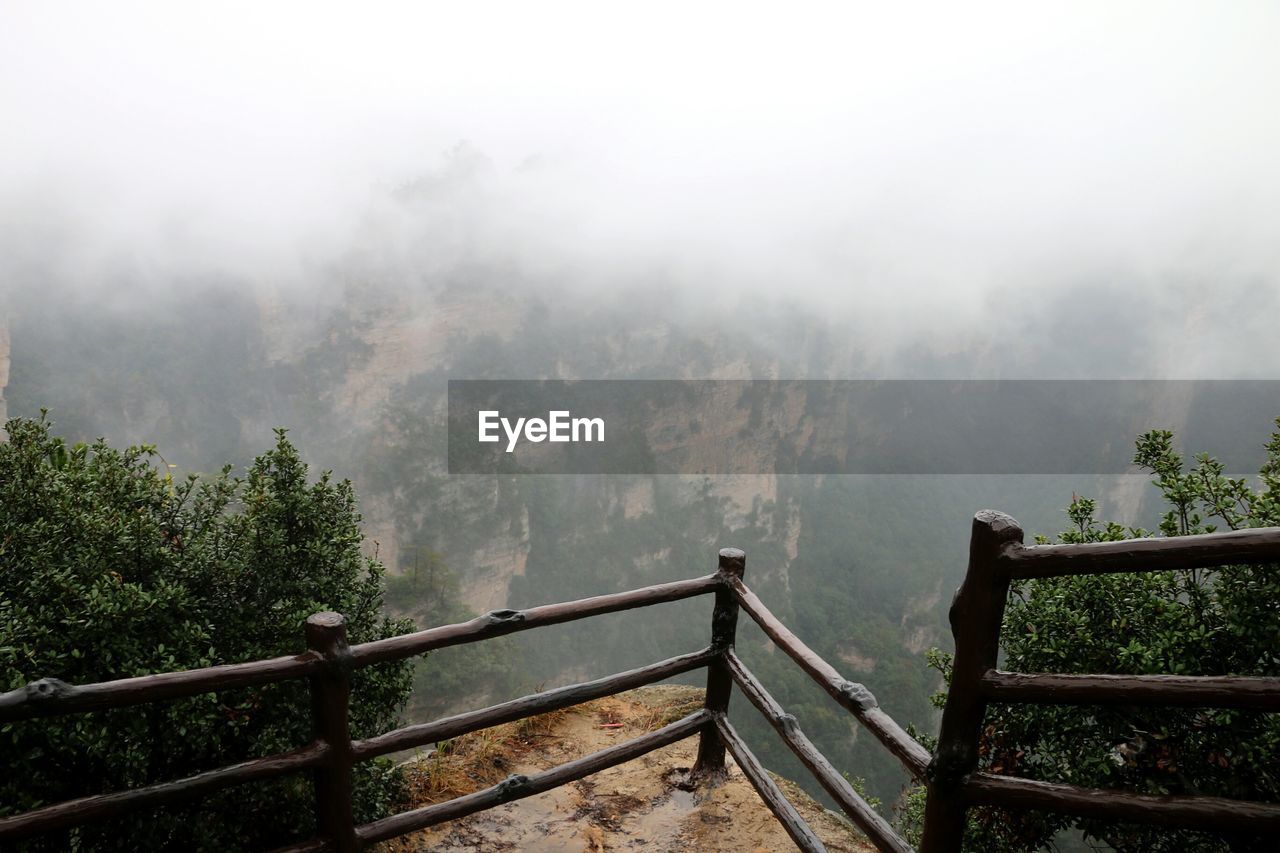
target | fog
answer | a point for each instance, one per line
(917, 169)
(217, 220)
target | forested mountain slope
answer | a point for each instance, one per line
(862, 567)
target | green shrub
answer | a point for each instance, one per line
(109, 568)
(1222, 621)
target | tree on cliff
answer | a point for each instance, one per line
(1224, 621)
(109, 568)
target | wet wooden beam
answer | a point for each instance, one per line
(976, 614)
(50, 697)
(852, 696)
(1208, 691)
(724, 631)
(768, 790)
(330, 714)
(876, 828)
(1213, 814)
(500, 622)
(99, 807)
(1207, 550)
(519, 787)
(527, 706)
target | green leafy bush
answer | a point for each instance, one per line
(109, 568)
(1222, 621)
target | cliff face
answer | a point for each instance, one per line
(359, 377)
(860, 566)
(387, 398)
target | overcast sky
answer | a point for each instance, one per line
(850, 152)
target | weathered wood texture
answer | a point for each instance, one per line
(499, 622)
(1235, 547)
(854, 697)
(65, 815)
(328, 664)
(1214, 814)
(330, 706)
(50, 697)
(976, 614)
(519, 787)
(768, 790)
(997, 555)
(724, 631)
(859, 811)
(526, 706)
(1207, 691)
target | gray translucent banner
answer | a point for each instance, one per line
(717, 427)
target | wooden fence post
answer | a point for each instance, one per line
(977, 612)
(724, 627)
(330, 704)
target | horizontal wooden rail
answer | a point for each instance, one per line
(75, 812)
(526, 706)
(500, 622)
(1204, 813)
(519, 787)
(50, 697)
(768, 790)
(997, 555)
(852, 696)
(1208, 691)
(1237, 547)
(859, 811)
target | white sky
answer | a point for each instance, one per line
(936, 150)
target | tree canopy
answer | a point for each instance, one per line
(112, 568)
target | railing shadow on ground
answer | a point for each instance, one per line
(954, 782)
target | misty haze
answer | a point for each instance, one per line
(217, 223)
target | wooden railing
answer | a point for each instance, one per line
(996, 557)
(329, 662)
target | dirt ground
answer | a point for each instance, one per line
(637, 805)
